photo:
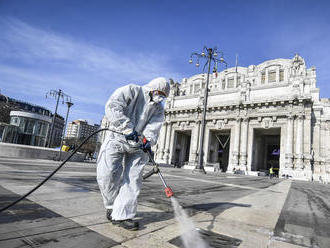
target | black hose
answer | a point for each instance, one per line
(150, 173)
(51, 174)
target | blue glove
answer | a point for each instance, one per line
(146, 146)
(132, 136)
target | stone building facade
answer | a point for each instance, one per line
(258, 116)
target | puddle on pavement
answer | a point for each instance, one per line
(193, 237)
(190, 236)
(213, 240)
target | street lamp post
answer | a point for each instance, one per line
(57, 94)
(69, 104)
(210, 54)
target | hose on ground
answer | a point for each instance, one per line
(58, 168)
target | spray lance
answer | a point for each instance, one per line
(168, 191)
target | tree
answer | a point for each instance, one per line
(88, 147)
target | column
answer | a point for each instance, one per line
(266, 76)
(195, 142)
(277, 74)
(163, 140)
(236, 142)
(317, 138)
(316, 147)
(289, 143)
(243, 152)
(300, 142)
(168, 142)
(206, 145)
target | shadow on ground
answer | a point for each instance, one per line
(215, 209)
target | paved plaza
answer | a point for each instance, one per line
(229, 210)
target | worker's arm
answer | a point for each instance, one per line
(116, 106)
(151, 131)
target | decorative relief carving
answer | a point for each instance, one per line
(200, 101)
(267, 122)
(220, 124)
(182, 125)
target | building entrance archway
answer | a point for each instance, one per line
(181, 147)
(219, 149)
(266, 149)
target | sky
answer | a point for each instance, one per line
(90, 48)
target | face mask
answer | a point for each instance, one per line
(157, 98)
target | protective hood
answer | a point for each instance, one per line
(159, 83)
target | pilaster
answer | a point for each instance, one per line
(289, 143)
(168, 143)
(277, 74)
(235, 156)
(194, 143)
(300, 143)
(244, 139)
(163, 140)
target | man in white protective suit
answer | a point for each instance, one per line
(132, 110)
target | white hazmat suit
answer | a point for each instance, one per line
(120, 163)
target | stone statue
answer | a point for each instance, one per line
(298, 65)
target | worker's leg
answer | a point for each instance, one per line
(125, 204)
(109, 171)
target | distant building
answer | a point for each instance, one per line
(81, 129)
(26, 123)
(104, 124)
(32, 128)
(58, 131)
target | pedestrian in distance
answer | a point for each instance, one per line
(271, 172)
(134, 111)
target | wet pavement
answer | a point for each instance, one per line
(230, 210)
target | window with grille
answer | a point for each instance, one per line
(197, 86)
(263, 77)
(231, 82)
(29, 126)
(272, 76)
(14, 121)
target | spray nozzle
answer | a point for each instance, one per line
(168, 191)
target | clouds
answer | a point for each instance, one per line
(34, 60)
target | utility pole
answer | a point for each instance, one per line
(57, 94)
(69, 104)
(210, 54)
